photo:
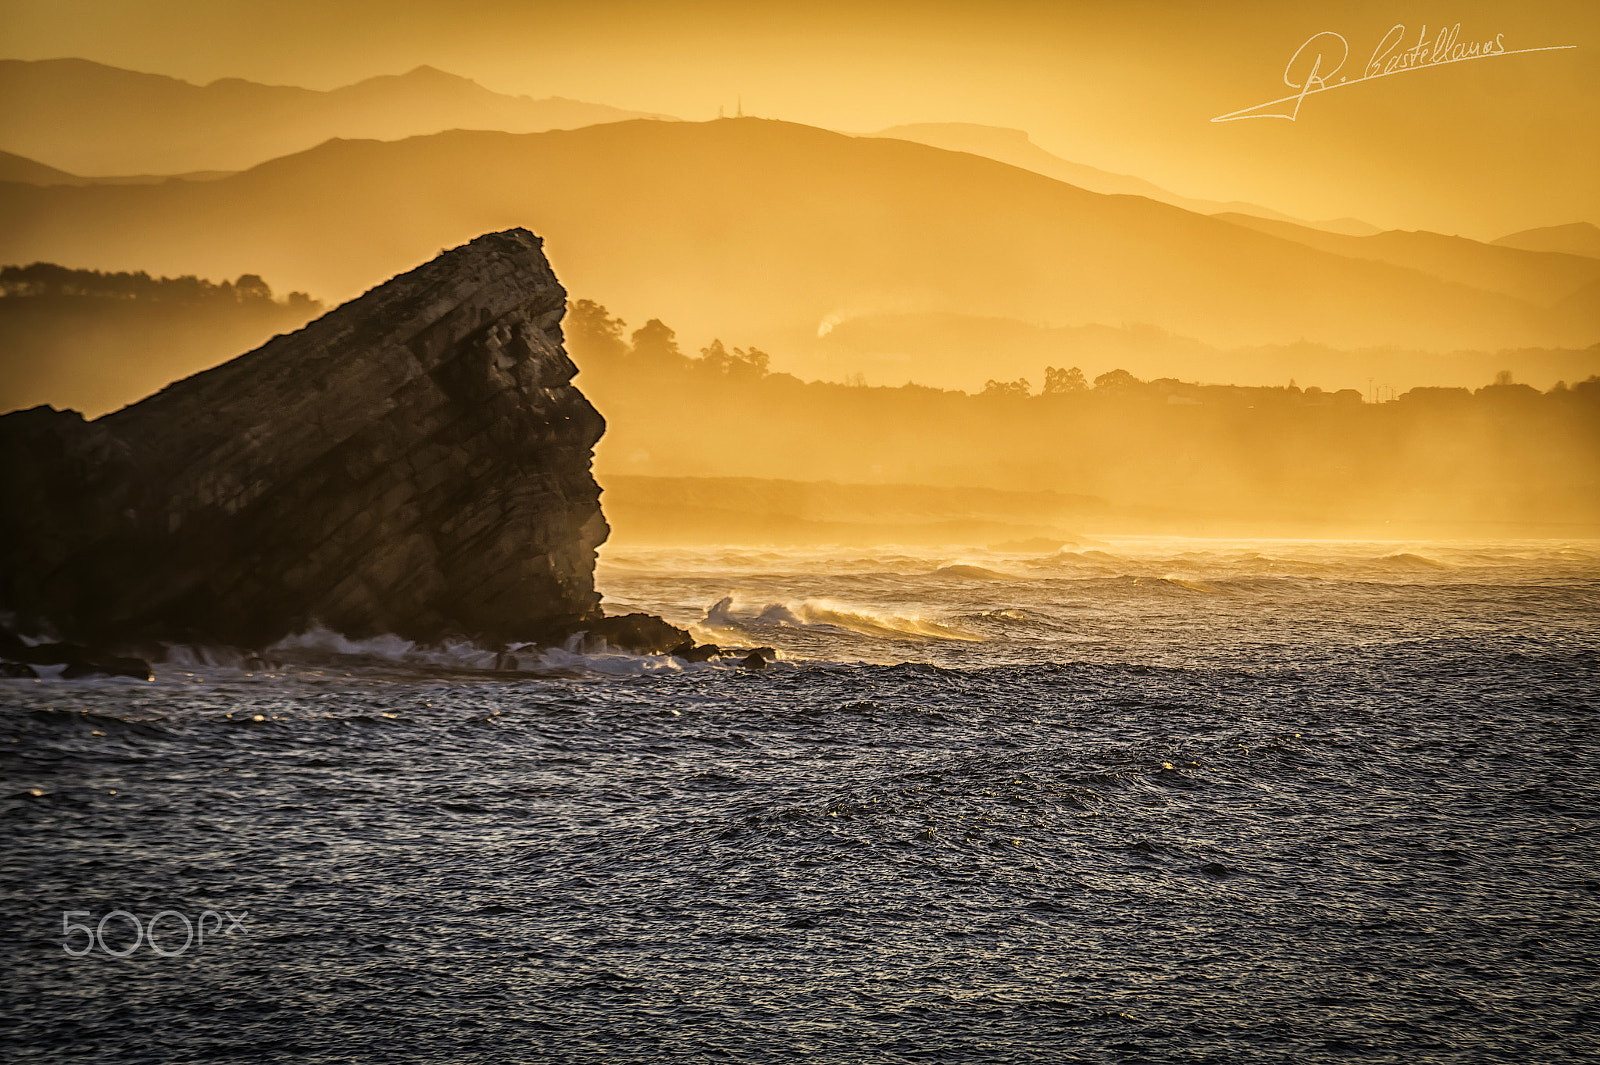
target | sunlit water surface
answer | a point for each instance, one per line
(1140, 800)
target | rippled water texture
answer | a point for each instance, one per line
(1140, 800)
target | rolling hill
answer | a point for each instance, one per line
(768, 232)
(93, 119)
(1015, 147)
(19, 168)
(1575, 238)
(1544, 277)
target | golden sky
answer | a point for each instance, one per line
(1479, 148)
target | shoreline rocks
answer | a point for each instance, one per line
(18, 660)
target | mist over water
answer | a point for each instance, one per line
(1069, 797)
(1135, 799)
(1153, 600)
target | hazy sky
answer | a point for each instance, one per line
(1479, 147)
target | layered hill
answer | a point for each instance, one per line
(91, 119)
(1544, 276)
(770, 232)
(1574, 238)
(1016, 147)
(963, 351)
(15, 167)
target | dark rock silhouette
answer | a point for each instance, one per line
(646, 634)
(18, 659)
(416, 462)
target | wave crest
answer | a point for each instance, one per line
(320, 647)
(726, 614)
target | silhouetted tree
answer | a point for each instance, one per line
(250, 287)
(593, 335)
(1017, 389)
(656, 347)
(1063, 382)
(715, 357)
(739, 364)
(1116, 381)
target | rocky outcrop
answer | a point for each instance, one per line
(20, 660)
(416, 462)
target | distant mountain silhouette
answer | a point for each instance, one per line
(768, 233)
(951, 350)
(1576, 238)
(1014, 146)
(1541, 277)
(92, 119)
(20, 168)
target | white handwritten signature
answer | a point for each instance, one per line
(1315, 63)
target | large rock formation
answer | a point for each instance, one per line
(415, 462)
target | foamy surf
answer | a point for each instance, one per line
(320, 648)
(728, 615)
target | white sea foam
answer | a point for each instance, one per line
(450, 654)
(727, 615)
(321, 647)
(610, 663)
(961, 605)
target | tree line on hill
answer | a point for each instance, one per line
(1173, 454)
(596, 339)
(602, 345)
(1504, 454)
(94, 341)
(52, 281)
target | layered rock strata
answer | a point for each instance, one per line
(415, 462)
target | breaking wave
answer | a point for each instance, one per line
(727, 615)
(971, 572)
(320, 648)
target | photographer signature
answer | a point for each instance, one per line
(1314, 64)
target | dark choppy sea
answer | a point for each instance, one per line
(1137, 801)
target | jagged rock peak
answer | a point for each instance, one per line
(416, 461)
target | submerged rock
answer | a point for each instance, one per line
(415, 462)
(647, 634)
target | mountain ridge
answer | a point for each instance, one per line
(1016, 147)
(760, 231)
(91, 119)
(1573, 238)
(1548, 276)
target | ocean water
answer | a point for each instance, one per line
(1138, 800)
